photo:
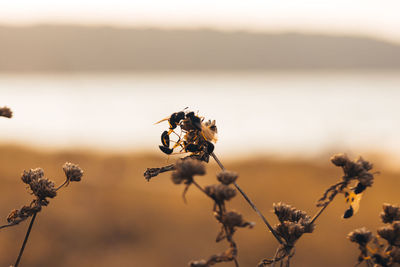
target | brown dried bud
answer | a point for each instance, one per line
(43, 188)
(340, 160)
(286, 212)
(32, 175)
(391, 233)
(185, 169)
(234, 219)
(73, 172)
(227, 177)
(360, 236)
(220, 192)
(365, 164)
(5, 112)
(290, 231)
(390, 213)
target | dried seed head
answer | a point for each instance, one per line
(391, 233)
(32, 175)
(43, 188)
(73, 172)
(5, 112)
(185, 169)
(234, 219)
(390, 213)
(17, 216)
(290, 231)
(220, 192)
(360, 236)
(227, 177)
(340, 160)
(288, 213)
(201, 263)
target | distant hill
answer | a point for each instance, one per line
(79, 48)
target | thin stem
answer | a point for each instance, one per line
(25, 240)
(319, 213)
(66, 181)
(274, 260)
(199, 187)
(236, 262)
(250, 203)
(8, 225)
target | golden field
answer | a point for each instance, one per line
(114, 217)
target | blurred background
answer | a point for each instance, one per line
(289, 84)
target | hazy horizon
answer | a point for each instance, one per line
(50, 48)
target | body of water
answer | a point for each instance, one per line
(265, 112)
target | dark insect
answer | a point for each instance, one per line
(196, 136)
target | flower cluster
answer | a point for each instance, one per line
(293, 223)
(357, 171)
(43, 189)
(184, 171)
(371, 247)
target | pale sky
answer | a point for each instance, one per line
(379, 18)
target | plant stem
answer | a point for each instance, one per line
(25, 240)
(275, 256)
(250, 203)
(319, 213)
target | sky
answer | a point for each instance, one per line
(377, 18)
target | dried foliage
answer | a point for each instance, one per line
(357, 171)
(382, 249)
(196, 138)
(43, 189)
(5, 112)
(293, 223)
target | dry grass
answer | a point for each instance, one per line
(115, 218)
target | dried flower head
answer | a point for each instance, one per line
(43, 188)
(287, 213)
(5, 112)
(32, 175)
(391, 233)
(227, 177)
(73, 172)
(220, 192)
(390, 213)
(361, 236)
(185, 169)
(357, 171)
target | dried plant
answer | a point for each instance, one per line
(382, 249)
(42, 189)
(357, 177)
(196, 138)
(293, 223)
(5, 112)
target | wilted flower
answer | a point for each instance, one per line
(361, 236)
(220, 192)
(390, 213)
(227, 177)
(5, 112)
(391, 233)
(73, 172)
(185, 169)
(32, 175)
